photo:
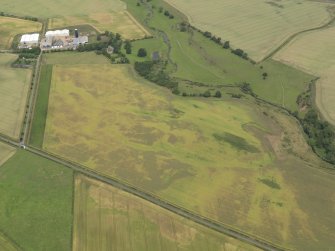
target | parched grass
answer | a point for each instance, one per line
(14, 86)
(73, 58)
(10, 27)
(314, 52)
(49, 9)
(41, 107)
(109, 219)
(5, 153)
(258, 27)
(7, 245)
(36, 203)
(104, 117)
(118, 22)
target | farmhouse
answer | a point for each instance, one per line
(29, 40)
(61, 39)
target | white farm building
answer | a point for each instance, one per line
(57, 33)
(29, 40)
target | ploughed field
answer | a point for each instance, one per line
(10, 27)
(314, 52)
(237, 162)
(109, 219)
(258, 27)
(14, 86)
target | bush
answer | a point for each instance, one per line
(142, 53)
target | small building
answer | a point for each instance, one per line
(80, 40)
(110, 50)
(29, 40)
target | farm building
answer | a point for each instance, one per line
(29, 40)
(57, 33)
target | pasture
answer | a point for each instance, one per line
(5, 153)
(109, 219)
(258, 27)
(234, 161)
(314, 52)
(10, 27)
(118, 22)
(36, 203)
(199, 59)
(14, 86)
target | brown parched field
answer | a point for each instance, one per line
(243, 164)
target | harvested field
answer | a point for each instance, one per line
(5, 153)
(14, 86)
(109, 219)
(36, 203)
(10, 27)
(233, 161)
(49, 9)
(118, 22)
(7, 245)
(314, 52)
(258, 27)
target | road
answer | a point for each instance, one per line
(217, 226)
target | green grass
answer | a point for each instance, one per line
(199, 59)
(74, 58)
(36, 203)
(41, 107)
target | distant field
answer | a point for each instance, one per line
(109, 219)
(7, 245)
(199, 59)
(10, 27)
(49, 9)
(233, 161)
(314, 52)
(5, 153)
(36, 203)
(14, 86)
(118, 22)
(258, 27)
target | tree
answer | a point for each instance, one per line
(127, 47)
(226, 45)
(218, 94)
(142, 53)
(207, 94)
(265, 75)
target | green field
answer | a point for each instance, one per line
(199, 59)
(36, 203)
(109, 219)
(10, 27)
(41, 107)
(118, 22)
(254, 157)
(258, 27)
(14, 86)
(318, 58)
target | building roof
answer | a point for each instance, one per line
(80, 40)
(64, 32)
(30, 38)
